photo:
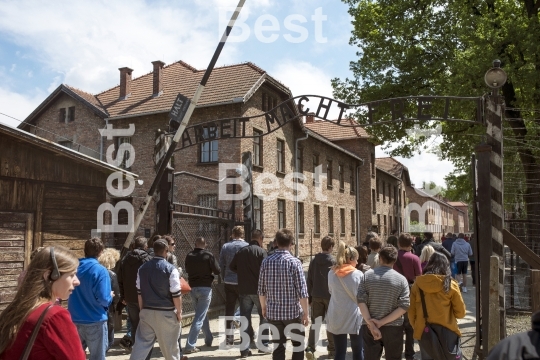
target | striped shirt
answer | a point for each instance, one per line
(282, 281)
(383, 290)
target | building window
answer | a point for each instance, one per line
(280, 156)
(257, 147)
(396, 195)
(329, 174)
(330, 220)
(66, 115)
(379, 223)
(390, 223)
(317, 218)
(383, 192)
(384, 219)
(341, 177)
(404, 198)
(257, 211)
(281, 214)
(389, 194)
(209, 149)
(378, 190)
(207, 200)
(300, 160)
(124, 140)
(352, 180)
(301, 217)
(66, 143)
(342, 220)
(315, 164)
(373, 164)
(373, 200)
(353, 222)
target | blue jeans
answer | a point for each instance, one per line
(95, 336)
(201, 296)
(246, 307)
(357, 346)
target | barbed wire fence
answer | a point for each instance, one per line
(521, 148)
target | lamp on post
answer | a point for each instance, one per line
(495, 77)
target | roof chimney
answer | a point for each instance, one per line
(310, 118)
(125, 82)
(157, 88)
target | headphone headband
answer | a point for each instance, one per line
(55, 273)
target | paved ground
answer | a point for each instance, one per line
(467, 326)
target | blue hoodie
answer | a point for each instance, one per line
(90, 300)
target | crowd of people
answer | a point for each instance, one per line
(381, 296)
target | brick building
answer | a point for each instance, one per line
(72, 117)
(432, 213)
(460, 205)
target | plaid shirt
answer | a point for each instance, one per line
(282, 281)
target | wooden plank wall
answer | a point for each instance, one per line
(16, 231)
(69, 215)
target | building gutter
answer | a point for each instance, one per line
(358, 241)
(297, 220)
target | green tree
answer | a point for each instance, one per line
(432, 47)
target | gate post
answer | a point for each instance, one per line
(494, 112)
(495, 78)
(484, 238)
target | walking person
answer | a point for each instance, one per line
(444, 303)
(51, 275)
(393, 239)
(319, 296)
(383, 298)
(230, 278)
(201, 267)
(408, 265)
(160, 301)
(447, 244)
(89, 302)
(247, 264)
(461, 250)
(344, 317)
(375, 245)
(427, 251)
(127, 280)
(283, 295)
(429, 240)
(108, 258)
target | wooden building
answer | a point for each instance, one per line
(49, 195)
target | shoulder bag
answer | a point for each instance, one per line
(438, 341)
(184, 286)
(32, 339)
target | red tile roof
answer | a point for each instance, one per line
(225, 84)
(457, 203)
(390, 165)
(334, 132)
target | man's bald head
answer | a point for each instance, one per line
(200, 243)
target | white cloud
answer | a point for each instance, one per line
(17, 105)
(86, 42)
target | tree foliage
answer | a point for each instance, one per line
(433, 47)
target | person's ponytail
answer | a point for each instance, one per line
(341, 257)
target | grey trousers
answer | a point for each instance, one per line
(162, 325)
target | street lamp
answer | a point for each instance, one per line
(495, 77)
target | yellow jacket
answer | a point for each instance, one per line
(442, 308)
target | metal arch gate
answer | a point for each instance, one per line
(189, 222)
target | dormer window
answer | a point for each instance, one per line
(66, 115)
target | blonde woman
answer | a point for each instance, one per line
(343, 315)
(427, 251)
(50, 275)
(108, 258)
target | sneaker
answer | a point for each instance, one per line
(331, 354)
(192, 351)
(264, 351)
(126, 343)
(236, 324)
(464, 289)
(310, 354)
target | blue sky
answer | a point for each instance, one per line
(83, 43)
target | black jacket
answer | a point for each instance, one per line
(437, 246)
(520, 346)
(317, 280)
(247, 264)
(200, 265)
(116, 288)
(127, 274)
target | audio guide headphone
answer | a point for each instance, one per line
(55, 273)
